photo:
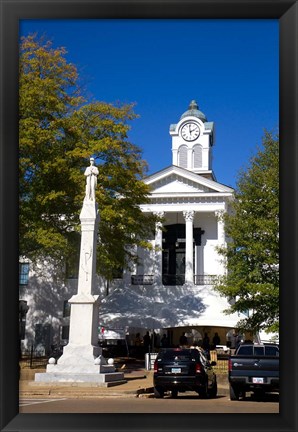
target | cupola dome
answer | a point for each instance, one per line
(193, 110)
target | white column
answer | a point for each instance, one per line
(220, 227)
(221, 238)
(200, 261)
(158, 250)
(189, 215)
(175, 157)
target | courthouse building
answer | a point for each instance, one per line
(171, 290)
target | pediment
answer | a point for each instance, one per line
(175, 180)
(176, 183)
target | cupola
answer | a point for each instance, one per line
(192, 141)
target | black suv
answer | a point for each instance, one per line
(184, 369)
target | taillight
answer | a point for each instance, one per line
(198, 368)
(155, 366)
(230, 365)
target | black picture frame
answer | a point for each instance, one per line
(286, 11)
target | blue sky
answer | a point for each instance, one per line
(230, 67)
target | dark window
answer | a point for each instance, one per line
(65, 332)
(259, 351)
(245, 350)
(180, 355)
(66, 309)
(271, 351)
(72, 269)
(23, 273)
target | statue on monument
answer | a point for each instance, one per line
(91, 174)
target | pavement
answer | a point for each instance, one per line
(138, 382)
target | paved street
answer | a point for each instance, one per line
(186, 403)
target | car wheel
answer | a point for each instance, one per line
(259, 394)
(242, 394)
(203, 392)
(174, 393)
(234, 393)
(158, 392)
(213, 391)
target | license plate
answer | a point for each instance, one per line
(258, 380)
(176, 370)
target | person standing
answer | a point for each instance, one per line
(138, 340)
(216, 340)
(146, 342)
(206, 342)
(164, 342)
(183, 340)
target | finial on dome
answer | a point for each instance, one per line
(193, 105)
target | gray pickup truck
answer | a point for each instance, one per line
(254, 368)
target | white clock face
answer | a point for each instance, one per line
(190, 131)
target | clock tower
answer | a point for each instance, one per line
(192, 142)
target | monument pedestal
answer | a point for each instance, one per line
(82, 360)
(101, 375)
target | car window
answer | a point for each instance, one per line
(250, 350)
(272, 351)
(178, 355)
(245, 350)
(259, 351)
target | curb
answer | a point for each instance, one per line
(147, 392)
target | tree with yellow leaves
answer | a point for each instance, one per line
(58, 132)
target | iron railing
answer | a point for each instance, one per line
(205, 279)
(142, 279)
(34, 359)
(173, 279)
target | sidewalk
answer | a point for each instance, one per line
(138, 383)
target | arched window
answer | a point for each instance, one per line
(182, 156)
(197, 156)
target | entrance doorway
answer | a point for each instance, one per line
(173, 256)
(173, 266)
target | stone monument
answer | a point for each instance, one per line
(82, 359)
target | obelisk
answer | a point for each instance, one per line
(81, 360)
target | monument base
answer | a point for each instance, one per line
(100, 379)
(80, 364)
(79, 356)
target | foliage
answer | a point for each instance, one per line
(58, 132)
(252, 252)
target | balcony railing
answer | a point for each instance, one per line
(173, 280)
(142, 279)
(205, 279)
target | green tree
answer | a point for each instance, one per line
(252, 252)
(58, 132)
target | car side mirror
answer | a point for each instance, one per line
(213, 363)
